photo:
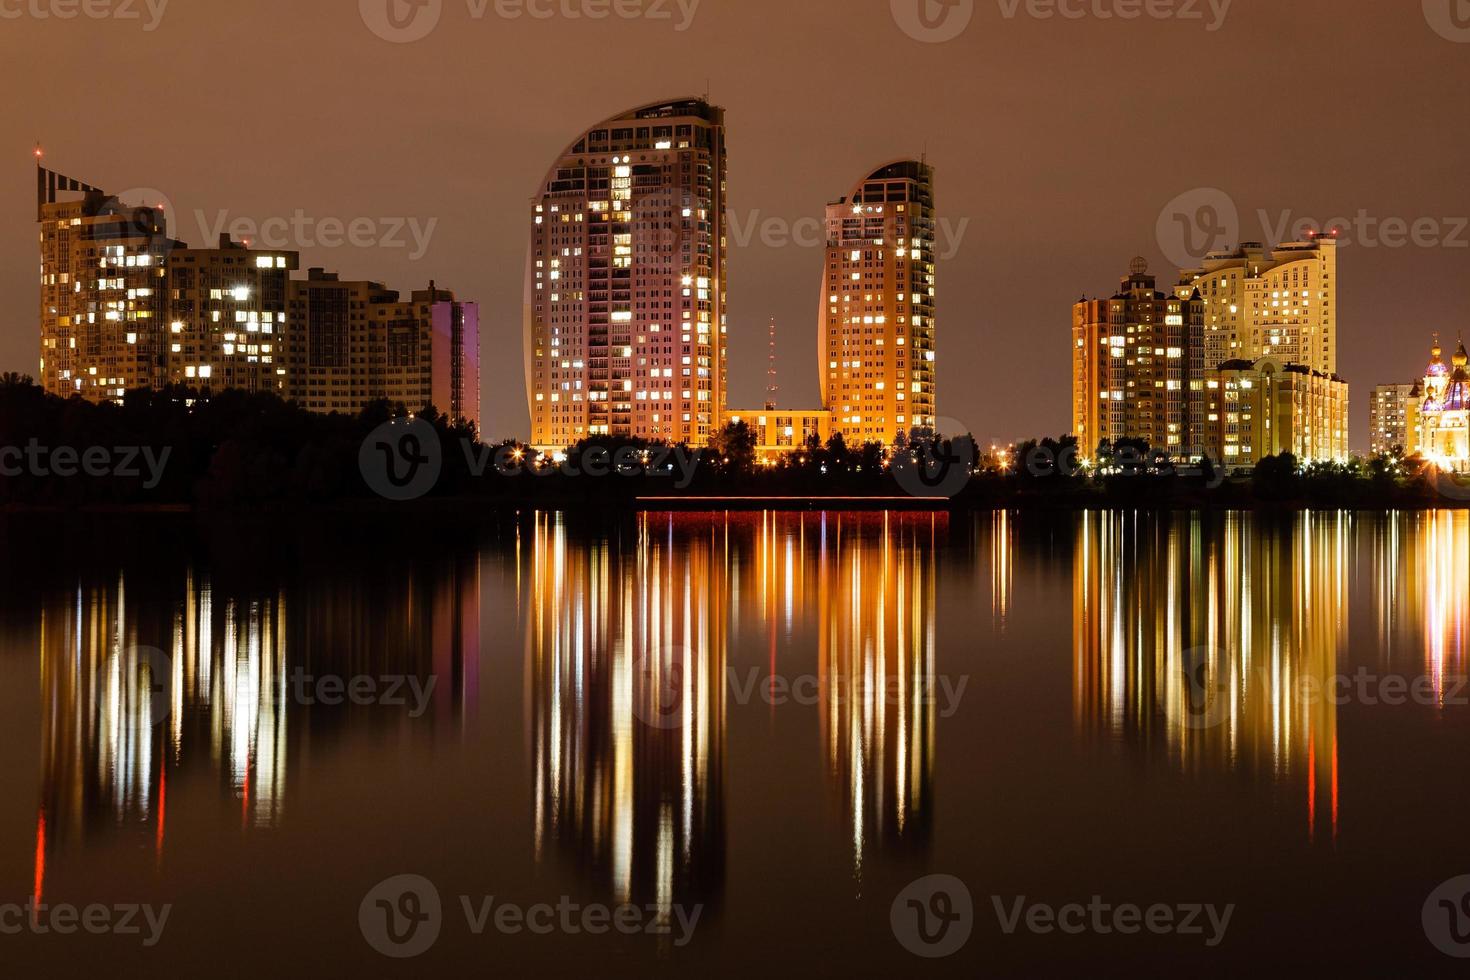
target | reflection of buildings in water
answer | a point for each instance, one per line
(628, 666)
(1421, 567)
(138, 693)
(626, 662)
(1002, 567)
(1215, 639)
(116, 708)
(878, 680)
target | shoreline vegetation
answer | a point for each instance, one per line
(180, 450)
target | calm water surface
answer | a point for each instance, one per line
(777, 722)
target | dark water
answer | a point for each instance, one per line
(757, 730)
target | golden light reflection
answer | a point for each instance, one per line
(1213, 639)
(877, 647)
(626, 666)
(1422, 561)
(630, 682)
(1002, 567)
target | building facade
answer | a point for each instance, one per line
(1276, 303)
(1258, 409)
(331, 358)
(625, 325)
(1138, 368)
(102, 292)
(1388, 417)
(227, 317)
(353, 343)
(876, 343)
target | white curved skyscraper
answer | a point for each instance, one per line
(625, 329)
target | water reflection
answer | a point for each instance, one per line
(612, 653)
(1422, 595)
(170, 680)
(1205, 637)
(630, 680)
(626, 662)
(1221, 641)
(133, 689)
(875, 593)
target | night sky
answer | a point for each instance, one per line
(1059, 141)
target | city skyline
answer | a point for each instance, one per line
(1035, 207)
(609, 239)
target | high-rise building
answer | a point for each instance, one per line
(1388, 417)
(625, 327)
(227, 316)
(876, 343)
(102, 291)
(1279, 303)
(1138, 368)
(352, 343)
(1266, 408)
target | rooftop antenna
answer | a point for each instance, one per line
(772, 387)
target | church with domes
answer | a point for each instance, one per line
(1439, 411)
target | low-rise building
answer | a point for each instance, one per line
(780, 431)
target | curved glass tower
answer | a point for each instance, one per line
(876, 326)
(625, 328)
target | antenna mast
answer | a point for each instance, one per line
(771, 386)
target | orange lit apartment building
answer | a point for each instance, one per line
(876, 345)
